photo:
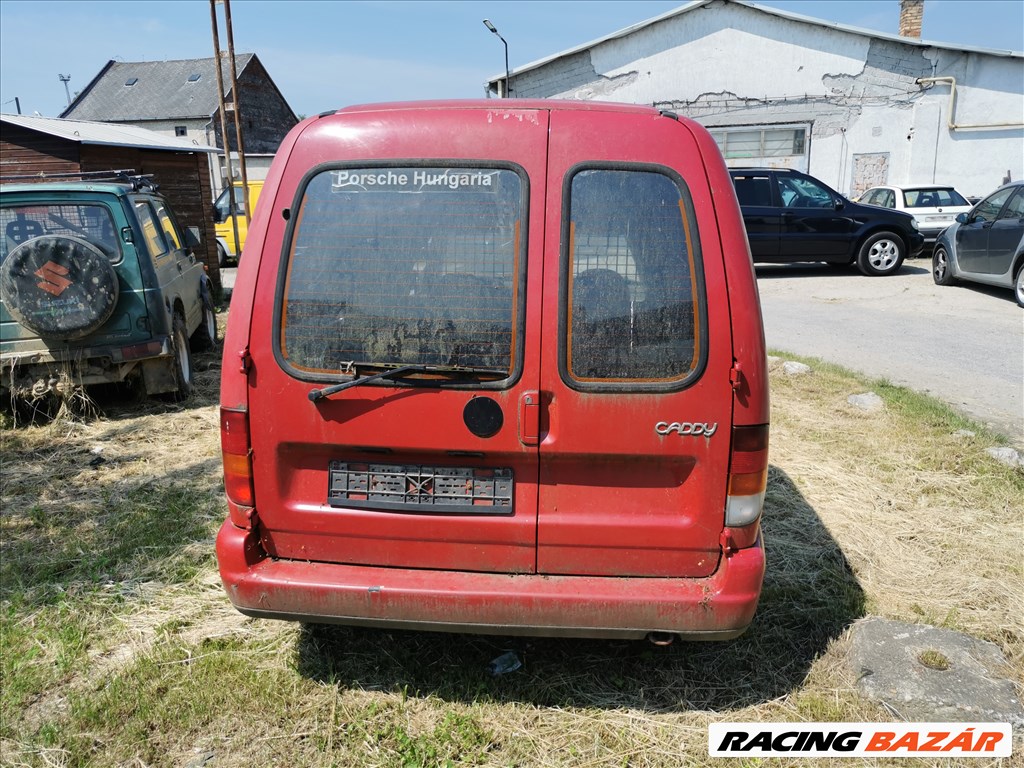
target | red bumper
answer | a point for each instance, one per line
(718, 607)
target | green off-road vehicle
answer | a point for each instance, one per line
(98, 284)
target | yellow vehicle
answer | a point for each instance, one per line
(228, 247)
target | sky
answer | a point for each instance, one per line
(323, 55)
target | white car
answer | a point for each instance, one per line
(934, 206)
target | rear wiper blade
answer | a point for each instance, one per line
(396, 373)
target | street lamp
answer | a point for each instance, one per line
(64, 79)
(494, 29)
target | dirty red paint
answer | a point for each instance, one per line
(615, 525)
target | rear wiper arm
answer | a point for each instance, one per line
(395, 373)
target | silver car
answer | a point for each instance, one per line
(986, 245)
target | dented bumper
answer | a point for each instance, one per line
(719, 607)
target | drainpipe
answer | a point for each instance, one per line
(952, 106)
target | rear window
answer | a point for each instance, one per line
(933, 198)
(91, 222)
(405, 265)
(634, 307)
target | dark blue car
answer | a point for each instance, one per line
(793, 217)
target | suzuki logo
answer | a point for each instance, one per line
(54, 280)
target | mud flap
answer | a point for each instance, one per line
(159, 375)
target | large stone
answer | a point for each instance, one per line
(868, 401)
(887, 660)
(793, 368)
(1008, 456)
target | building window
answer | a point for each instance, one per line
(760, 142)
(181, 130)
(194, 78)
(130, 82)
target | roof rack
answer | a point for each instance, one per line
(137, 181)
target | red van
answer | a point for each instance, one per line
(497, 366)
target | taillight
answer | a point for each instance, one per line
(748, 475)
(234, 443)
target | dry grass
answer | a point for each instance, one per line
(118, 646)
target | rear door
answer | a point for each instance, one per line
(812, 228)
(637, 401)
(762, 216)
(407, 244)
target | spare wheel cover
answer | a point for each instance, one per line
(59, 286)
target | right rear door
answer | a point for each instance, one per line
(636, 353)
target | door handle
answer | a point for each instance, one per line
(529, 418)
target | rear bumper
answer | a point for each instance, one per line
(32, 372)
(719, 607)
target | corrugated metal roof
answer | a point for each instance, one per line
(773, 11)
(110, 134)
(162, 90)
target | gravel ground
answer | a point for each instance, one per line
(963, 344)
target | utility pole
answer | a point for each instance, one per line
(234, 107)
(67, 91)
(237, 104)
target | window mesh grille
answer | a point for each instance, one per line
(407, 274)
(632, 305)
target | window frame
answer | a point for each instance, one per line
(721, 133)
(613, 386)
(157, 227)
(976, 214)
(1010, 206)
(518, 345)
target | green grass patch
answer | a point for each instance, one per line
(118, 647)
(56, 547)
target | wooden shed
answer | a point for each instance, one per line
(44, 148)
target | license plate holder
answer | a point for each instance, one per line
(418, 488)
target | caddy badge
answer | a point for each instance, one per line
(686, 428)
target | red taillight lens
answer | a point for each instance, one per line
(234, 443)
(748, 475)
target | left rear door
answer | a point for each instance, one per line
(416, 239)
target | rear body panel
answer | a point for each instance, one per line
(568, 474)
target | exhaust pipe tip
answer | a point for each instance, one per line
(661, 638)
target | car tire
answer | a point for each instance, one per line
(881, 254)
(184, 371)
(1018, 286)
(59, 287)
(205, 336)
(222, 256)
(942, 270)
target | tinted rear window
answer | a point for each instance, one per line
(411, 265)
(634, 303)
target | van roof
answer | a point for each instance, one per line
(500, 104)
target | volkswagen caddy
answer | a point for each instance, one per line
(497, 366)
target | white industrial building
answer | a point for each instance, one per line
(850, 106)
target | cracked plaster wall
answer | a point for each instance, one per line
(858, 94)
